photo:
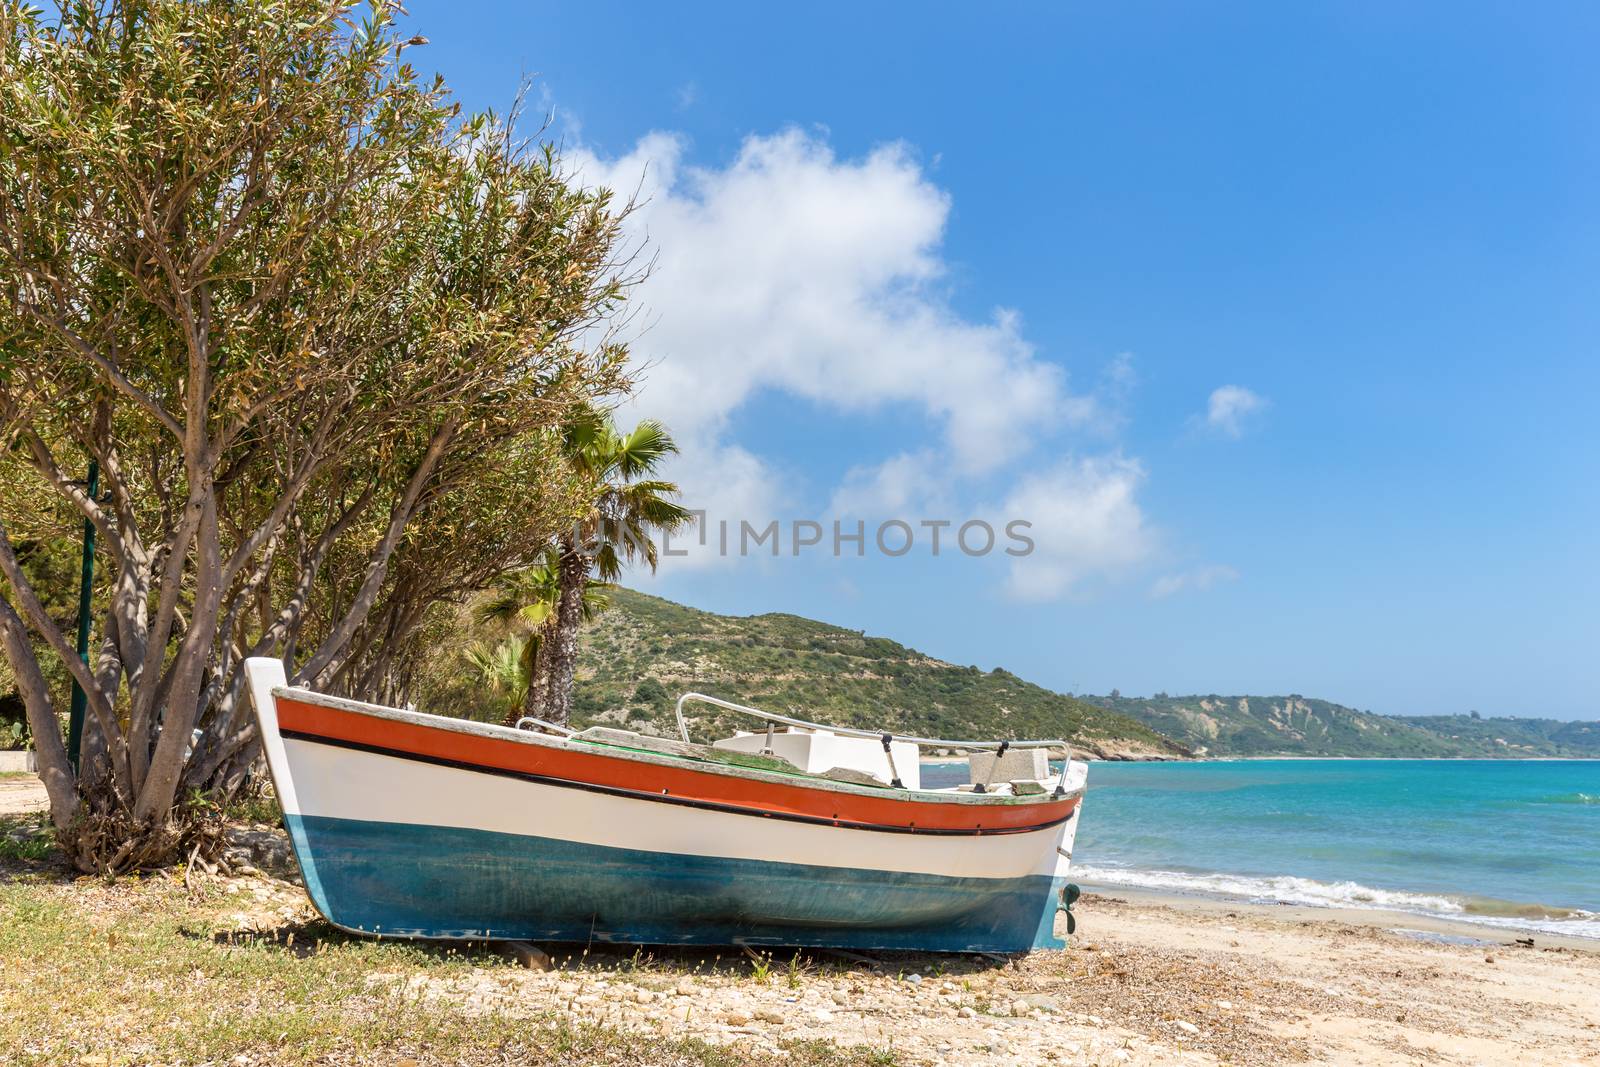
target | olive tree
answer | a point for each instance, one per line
(316, 328)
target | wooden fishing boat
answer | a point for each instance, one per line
(415, 825)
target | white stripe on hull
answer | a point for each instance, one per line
(346, 783)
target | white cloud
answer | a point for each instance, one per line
(1086, 523)
(794, 271)
(1229, 406)
(1199, 579)
(906, 485)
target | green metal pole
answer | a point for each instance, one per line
(80, 702)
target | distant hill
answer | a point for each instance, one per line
(642, 652)
(1298, 726)
(1513, 737)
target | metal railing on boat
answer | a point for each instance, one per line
(999, 748)
(546, 725)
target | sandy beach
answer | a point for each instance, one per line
(1341, 986)
(1146, 980)
(1153, 980)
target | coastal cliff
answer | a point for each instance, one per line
(1293, 725)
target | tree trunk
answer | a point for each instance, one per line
(564, 648)
(60, 784)
(536, 661)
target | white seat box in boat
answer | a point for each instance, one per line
(819, 751)
(1031, 764)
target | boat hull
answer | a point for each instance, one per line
(407, 842)
(408, 880)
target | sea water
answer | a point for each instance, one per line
(1505, 843)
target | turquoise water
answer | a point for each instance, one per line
(1500, 842)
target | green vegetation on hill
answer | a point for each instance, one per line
(644, 651)
(1513, 737)
(1297, 726)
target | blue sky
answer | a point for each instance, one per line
(1279, 325)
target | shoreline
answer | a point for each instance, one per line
(1391, 920)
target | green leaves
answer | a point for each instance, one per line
(320, 330)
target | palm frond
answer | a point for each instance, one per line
(499, 667)
(642, 450)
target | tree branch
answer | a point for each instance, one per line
(378, 563)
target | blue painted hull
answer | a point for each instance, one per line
(397, 879)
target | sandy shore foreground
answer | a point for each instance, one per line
(1147, 979)
(1277, 984)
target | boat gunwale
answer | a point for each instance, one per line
(681, 801)
(795, 779)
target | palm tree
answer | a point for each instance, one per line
(500, 669)
(527, 602)
(627, 508)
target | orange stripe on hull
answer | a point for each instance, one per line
(620, 772)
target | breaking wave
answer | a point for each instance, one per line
(1287, 889)
(1573, 798)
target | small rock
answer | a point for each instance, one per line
(822, 1015)
(967, 1013)
(682, 1013)
(643, 996)
(914, 978)
(737, 1018)
(1187, 1027)
(841, 997)
(408, 1062)
(1488, 959)
(1225, 1005)
(1020, 1007)
(685, 988)
(767, 1015)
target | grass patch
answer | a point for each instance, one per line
(25, 838)
(261, 807)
